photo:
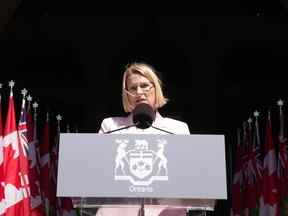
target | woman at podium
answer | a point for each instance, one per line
(142, 95)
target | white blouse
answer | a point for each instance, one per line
(167, 124)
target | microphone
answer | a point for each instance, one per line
(143, 116)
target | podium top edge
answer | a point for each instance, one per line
(133, 134)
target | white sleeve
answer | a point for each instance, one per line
(177, 127)
(105, 126)
(185, 128)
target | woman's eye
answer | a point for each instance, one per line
(134, 88)
(144, 86)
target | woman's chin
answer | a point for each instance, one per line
(141, 102)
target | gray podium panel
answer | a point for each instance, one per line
(163, 168)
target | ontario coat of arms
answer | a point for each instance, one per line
(139, 164)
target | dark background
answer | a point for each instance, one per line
(216, 69)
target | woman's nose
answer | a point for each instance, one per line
(139, 90)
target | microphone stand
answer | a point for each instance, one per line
(162, 130)
(142, 210)
(122, 128)
(136, 125)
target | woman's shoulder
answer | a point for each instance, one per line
(112, 123)
(174, 121)
(176, 125)
(115, 120)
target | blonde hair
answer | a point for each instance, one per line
(148, 72)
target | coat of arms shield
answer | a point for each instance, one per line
(141, 164)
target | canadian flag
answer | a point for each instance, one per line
(2, 201)
(270, 193)
(16, 184)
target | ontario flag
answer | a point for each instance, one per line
(270, 194)
(16, 185)
(24, 150)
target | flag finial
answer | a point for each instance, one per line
(24, 92)
(280, 102)
(256, 113)
(59, 117)
(35, 105)
(11, 84)
(29, 98)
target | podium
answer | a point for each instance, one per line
(142, 171)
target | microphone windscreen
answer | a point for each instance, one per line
(143, 115)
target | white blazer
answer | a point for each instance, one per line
(167, 124)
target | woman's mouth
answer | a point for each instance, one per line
(140, 101)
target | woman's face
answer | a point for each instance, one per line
(140, 90)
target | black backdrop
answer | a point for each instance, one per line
(216, 69)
